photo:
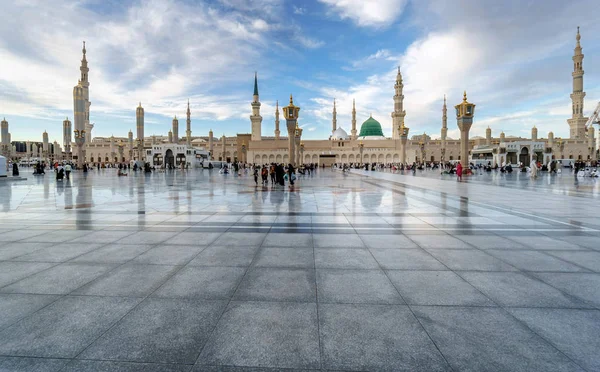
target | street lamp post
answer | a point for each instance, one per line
(464, 118)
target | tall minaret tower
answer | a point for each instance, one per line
(399, 113)
(175, 130)
(85, 84)
(353, 131)
(188, 126)
(334, 118)
(444, 120)
(255, 118)
(277, 131)
(5, 139)
(139, 119)
(211, 144)
(577, 121)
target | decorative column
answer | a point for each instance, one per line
(361, 148)
(297, 138)
(403, 140)
(188, 127)
(301, 151)
(223, 148)
(464, 118)
(291, 117)
(139, 118)
(130, 144)
(210, 144)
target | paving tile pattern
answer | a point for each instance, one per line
(196, 271)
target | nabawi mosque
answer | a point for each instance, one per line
(367, 144)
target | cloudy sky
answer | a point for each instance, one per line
(513, 57)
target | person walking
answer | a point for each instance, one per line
(68, 170)
(256, 175)
(459, 171)
(291, 175)
(534, 168)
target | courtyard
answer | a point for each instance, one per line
(360, 271)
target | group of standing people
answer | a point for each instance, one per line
(277, 173)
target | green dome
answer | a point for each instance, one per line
(370, 127)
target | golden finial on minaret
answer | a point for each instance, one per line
(291, 100)
(465, 96)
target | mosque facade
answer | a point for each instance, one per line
(367, 144)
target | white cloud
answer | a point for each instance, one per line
(372, 13)
(308, 42)
(299, 10)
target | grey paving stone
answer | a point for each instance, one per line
(211, 283)
(16, 306)
(64, 328)
(205, 368)
(240, 239)
(581, 285)
(535, 261)
(61, 279)
(58, 253)
(274, 284)
(101, 236)
(13, 250)
(265, 334)
(516, 289)
(105, 366)
(224, 256)
(436, 288)
(11, 272)
(344, 258)
(483, 339)
(490, 241)
(169, 254)
(291, 240)
(129, 280)
(469, 259)
(356, 286)
(574, 332)
(285, 257)
(147, 237)
(193, 238)
(19, 364)
(337, 241)
(545, 243)
(57, 236)
(173, 330)
(18, 235)
(377, 338)
(438, 241)
(406, 259)
(113, 253)
(398, 241)
(589, 260)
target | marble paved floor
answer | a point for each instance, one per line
(196, 271)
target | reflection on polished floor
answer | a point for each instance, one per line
(197, 271)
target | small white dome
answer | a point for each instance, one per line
(339, 134)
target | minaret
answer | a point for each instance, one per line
(444, 121)
(277, 132)
(334, 119)
(353, 131)
(577, 121)
(188, 126)
(139, 121)
(85, 84)
(211, 144)
(291, 118)
(4, 135)
(45, 145)
(488, 136)
(255, 118)
(79, 119)
(171, 136)
(175, 130)
(399, 113)
(67, 137)
(534, 133)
